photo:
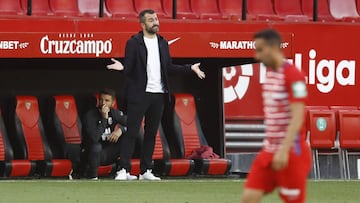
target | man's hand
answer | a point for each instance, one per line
(114, 137)
(105, 111)
(196, 69)
(280, 160)
(117, 65)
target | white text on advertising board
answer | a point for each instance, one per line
(241, 44)
(72, 44)
(13, 45)
(323, 73)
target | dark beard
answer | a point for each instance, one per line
(151, 30)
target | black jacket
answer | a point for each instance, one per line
(135, 65)
(94, 125)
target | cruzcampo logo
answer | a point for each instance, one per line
(321, 124)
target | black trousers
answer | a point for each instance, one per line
(94, 155)
(151, 107)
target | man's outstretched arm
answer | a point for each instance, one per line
(186, 68)
(129, 59)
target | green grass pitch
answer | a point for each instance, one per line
(169, 191)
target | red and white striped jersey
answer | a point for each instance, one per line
(281, 88)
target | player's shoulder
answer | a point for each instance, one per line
(162, 40)
(292, 71)
(138, 37)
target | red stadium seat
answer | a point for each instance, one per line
(307, 117)
(322, 129)
(8, 166)
(189, 135)
(344, 10)
(153, 4)
(39, 7)
(91, 8)
(349, 129)
(27, 128)
(261, 10)
(323, 9)
(349, 138)
(12, 7)
(290, 10)
(121, 9)
(64, 8)
(163, 163)
(183, 9)
(206, 9)
(358, 6)
(296, 18)
(337, 109)
(231, 9)
(323, 137)
(67, 127)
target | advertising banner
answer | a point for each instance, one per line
(106, 45)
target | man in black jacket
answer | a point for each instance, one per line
(100, 139)
(146, 64)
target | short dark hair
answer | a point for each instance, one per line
(271, 36)
(108, 91)
(143, 13)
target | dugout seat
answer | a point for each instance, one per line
(153, 4)
(29, 140)
(38, 7)
(343, 108)
(323, 9)
(67, 125)
(323, 137)
(349, 138)
(189, 136)
(206, 9)
(121, 9)
(231, 9)
(290, 10)
(344, 10)
(8, 166)
(12, 7)
(183, 9)
(64, 8)
(307, 117)
(163, 163)
(262, 10)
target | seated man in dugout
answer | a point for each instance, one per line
(101, 139)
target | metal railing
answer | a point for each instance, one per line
(174, 9)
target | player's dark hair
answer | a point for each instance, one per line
(107, 91)
(271, 37)
(143, 13)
